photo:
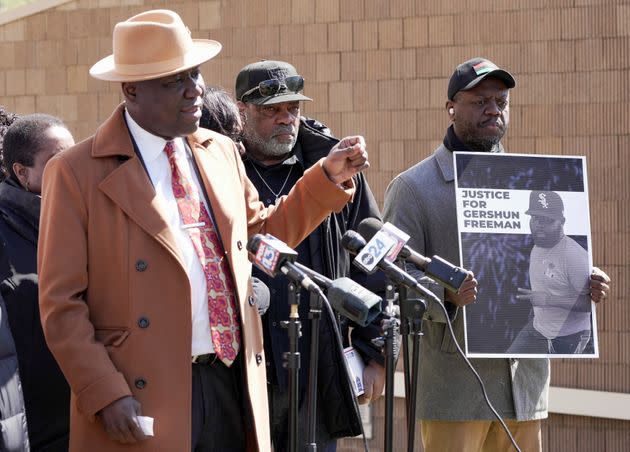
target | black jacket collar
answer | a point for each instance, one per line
(20, 209)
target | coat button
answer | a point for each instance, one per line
(143, 322)
(141, 265)
(239, 245)
(258, 358)
(251, 301)
(140, 383)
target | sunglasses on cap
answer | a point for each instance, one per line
(266, 88)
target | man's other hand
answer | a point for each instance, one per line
(373, 382)
(346, 159)
(120, 420)
(599, 284)
(466, 294)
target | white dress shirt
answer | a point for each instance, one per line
(151, 148)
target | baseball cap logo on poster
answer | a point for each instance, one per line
(542, 200)
(484, 67)
(545, 203)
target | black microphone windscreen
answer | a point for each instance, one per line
(352, 241)
(354, 301)
(368, 227)
(261, 295)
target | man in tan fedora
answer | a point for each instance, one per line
(144, 275)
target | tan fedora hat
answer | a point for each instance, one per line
(150, 45)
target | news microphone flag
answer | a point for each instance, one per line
(269, 253)
(374, 252)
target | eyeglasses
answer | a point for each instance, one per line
(266, 88)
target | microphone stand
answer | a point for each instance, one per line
(318, 302)
(411, 311)
(315, 316)
(404, 330)
(391, 328)
(291, 361)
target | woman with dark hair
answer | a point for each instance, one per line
(220, 113)
(27, 146)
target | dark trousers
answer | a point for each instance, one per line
(279, 416)
(218, 420)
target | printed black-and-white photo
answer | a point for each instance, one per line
(525, 232)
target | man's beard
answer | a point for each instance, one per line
(482, 143)
(262, 147)
(477, 142)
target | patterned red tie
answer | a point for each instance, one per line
(224, 324)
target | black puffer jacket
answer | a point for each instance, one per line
(46, 393)
(335, 393)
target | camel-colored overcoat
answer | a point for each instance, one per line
(114, 296)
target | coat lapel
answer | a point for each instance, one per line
(129, 188)
(128, 184)
(218, 181)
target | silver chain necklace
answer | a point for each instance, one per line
(277, 195)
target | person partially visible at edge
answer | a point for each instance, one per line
(14, 436)
(560, 321)
(421, 201)
(144, 271)
(279, 146)
(6, 119)
(27, 146)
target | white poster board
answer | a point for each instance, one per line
(524, 230)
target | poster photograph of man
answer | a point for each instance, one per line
(524, 230)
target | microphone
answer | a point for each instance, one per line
(261, 295)
(347, 297)
(355, 243)
(273, 256)
(448, 275)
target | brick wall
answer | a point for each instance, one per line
(380, 68)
